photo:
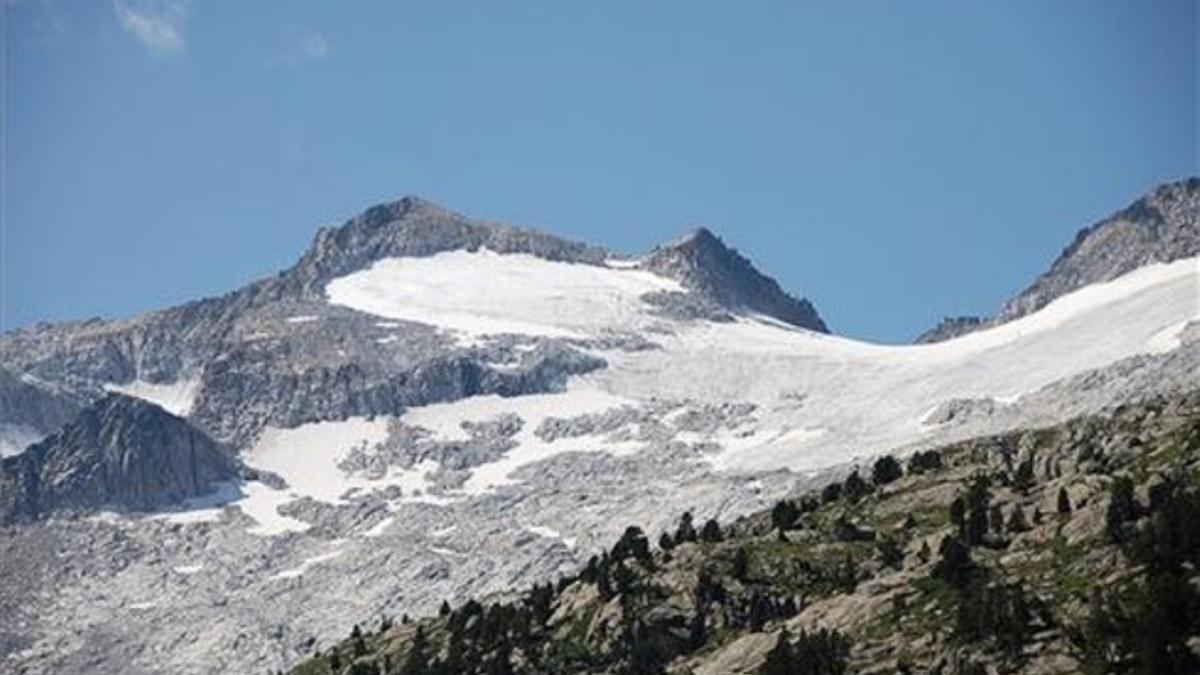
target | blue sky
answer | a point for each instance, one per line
(894, 162)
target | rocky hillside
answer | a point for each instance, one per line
(119, 453)
(1159, 227)
(1059, 550)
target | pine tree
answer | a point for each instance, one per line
(955, 565)
(1016, 521)
(711, 532)
(632, 544)
(996, 518)
(686, 531)
(855, 488)
(821, 652)
(356, 639)
(831, 493)
(417, 660)
(781, 660)
(741, 565)
(958, 513)
(925, 554)
(1064, 501)
(1122, 509)
(889, 553)
(665, 542)
(886, 470)
(784, 515)
(698, 630)
(1024, 479)
(976, 526)
(922, 462)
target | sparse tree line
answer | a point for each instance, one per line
(1140, 625)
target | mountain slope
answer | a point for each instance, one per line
(429, 407)
(1159, 227)
(1055, 528)
(281, 341)
(119, 453)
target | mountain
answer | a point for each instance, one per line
(429, 407)
(1159, 227)
(119, 453)
(1070, 550)
(250, 358)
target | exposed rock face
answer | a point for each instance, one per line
(951, 327)
(413, 227)
(120, 453)
(29, 409)
(1160, 227)
(719, 274)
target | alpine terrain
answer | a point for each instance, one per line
(429, 412)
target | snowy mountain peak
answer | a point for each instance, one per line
(715, 274)
(414, 227)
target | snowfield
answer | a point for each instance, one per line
(811, 401)
(485, 293)
(821, 400)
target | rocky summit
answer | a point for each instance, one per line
(429, 408)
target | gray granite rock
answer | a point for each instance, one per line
(702, 263)
(120, 453)
(1161, 226)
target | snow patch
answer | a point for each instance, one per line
(444, 421)
(304, 566)
(306, 457)
(304, 318)
(177, 397)
(377, 529)
(481, 293)
(1168, 338)
(14, 438)
(550, 533)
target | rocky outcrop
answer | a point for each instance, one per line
(413, 227)
(1160, 227)
(951, 327)
(40, 405)
(703, 264)
(120, 453)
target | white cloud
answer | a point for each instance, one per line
(157, 24)
(304, 45)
